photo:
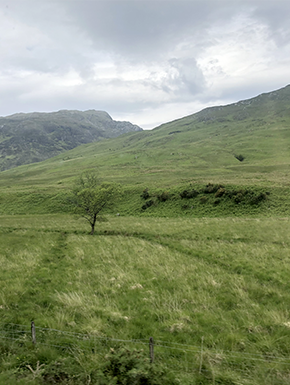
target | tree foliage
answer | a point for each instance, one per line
(91, 197)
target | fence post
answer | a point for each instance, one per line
(33, 334)
(151, 349)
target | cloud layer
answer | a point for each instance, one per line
(144, 61)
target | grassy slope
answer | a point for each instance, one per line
(178, 279)
(226, 280)
(199, 149)
(27, 138)
(202, 146)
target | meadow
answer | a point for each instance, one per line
(195, 254)
(212, 292)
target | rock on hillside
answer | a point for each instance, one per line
(33, 137)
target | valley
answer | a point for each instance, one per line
(194, 253)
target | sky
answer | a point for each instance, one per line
(147, 62)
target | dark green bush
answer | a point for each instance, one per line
(145, 194)
(258, 199)
(238, 197)
(131, 367)
(240, 157)
(164, 196)
(148, 204)
(212, 188)
(209, 189)
(185, 194)
(203, 199)
(220, 192)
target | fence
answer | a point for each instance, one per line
(179, 357)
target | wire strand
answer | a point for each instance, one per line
(186, 348)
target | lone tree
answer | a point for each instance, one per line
(90, 197)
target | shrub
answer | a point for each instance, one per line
(240, 157)
(185, 194)
(238, 197)
(127, 367)
(211, 188)
(145, 194)
(220, 192)
(164, 196)
(203, 199)
(258, 198)
(148, 204)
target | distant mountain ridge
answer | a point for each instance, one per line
(251, 134)
(274, 104)
(33, 137)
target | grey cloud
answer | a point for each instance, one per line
(189, 76)
(139, 30)
(276, 17)
(146, 29)
(47, 39)
(150, 28)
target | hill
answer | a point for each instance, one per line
(244, 145)
(33, 137)
(243, 142)
(197, 257)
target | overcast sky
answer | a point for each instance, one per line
(147, 62)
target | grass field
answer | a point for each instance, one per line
(195, 254)
(219, 287)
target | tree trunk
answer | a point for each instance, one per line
(93, 224)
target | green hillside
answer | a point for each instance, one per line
(195, 253)
(33, 137)
(204, 145)
(244, 144)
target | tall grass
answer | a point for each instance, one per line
(178, 280)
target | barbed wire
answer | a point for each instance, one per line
(188, 359)
(185, 348)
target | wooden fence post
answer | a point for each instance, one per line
(33, 334)
(151, 349)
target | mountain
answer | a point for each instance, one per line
(33, 137)
(247, 142)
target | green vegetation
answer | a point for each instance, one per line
(221, 281)
(90, 198)
(202, 147)
(33, 137)
(195, 254)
